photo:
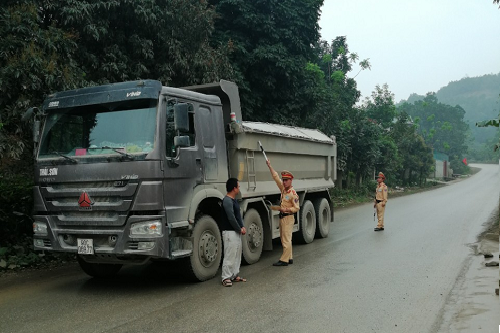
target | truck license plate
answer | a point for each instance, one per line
(85, 246)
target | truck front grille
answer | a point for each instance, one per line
(107, 204)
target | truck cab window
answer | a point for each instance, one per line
(171, 133)
(98, 129)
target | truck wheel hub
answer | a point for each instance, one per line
(208, 247)
(254, 236)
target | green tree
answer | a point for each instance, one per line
(415, 155)
(381, 107)
(442, 127)
(336, 110)
(364, 145)
(271, 47)
(381, 110)
(390, 161)
(34, 60)
(479, 97)
(117, 41)
(129, 40)
(494, 123)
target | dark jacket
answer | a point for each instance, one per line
(230, 215)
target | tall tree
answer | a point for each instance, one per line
(271, 42)
(337, 110)
(34, 60)
(381, 110)
(365, 145)
(49, 46)
(415, 155)
(381, 107)
(442, 127)
(128, 39)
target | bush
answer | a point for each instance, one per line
(21, 255)
(364, 193)
(16, 198)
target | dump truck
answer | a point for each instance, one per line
(132, 172)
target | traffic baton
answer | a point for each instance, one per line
(263, 152)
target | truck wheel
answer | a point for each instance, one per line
(254, 239)
(307, 225)
(323, 217)
(99, 271)
(207, 250)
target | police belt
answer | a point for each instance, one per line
(282, 215)
(378, 201)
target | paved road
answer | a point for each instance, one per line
(357, 280)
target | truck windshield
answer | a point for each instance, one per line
(100, 130)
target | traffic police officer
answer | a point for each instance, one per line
(380, 201)
(289, 205)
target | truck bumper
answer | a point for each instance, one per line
(109, 243)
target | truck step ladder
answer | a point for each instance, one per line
(251, 177)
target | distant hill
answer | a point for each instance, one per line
(478, 96)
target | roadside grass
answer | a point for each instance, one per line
(343, 198)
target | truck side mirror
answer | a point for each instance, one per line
(181, 141)
(36, 131)
(27, 115)
(181, 118)
(36, 124)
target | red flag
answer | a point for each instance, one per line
(465, 161)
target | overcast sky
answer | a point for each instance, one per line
(416, 46)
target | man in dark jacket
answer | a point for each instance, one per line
(232, 229)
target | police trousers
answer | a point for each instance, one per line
(380, 215)
(286, 229)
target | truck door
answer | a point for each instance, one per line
(208, 138)
(182, 167)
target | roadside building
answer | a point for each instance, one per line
(442, 168)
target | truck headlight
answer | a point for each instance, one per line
(39, 228)
(152, 228)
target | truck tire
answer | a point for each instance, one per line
(323, 217)
(253, 241)
(307, 224)
(207, 250)
(99, 271)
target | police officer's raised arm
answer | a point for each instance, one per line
(275, 175)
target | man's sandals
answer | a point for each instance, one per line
(229, 283)
(239, 279)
